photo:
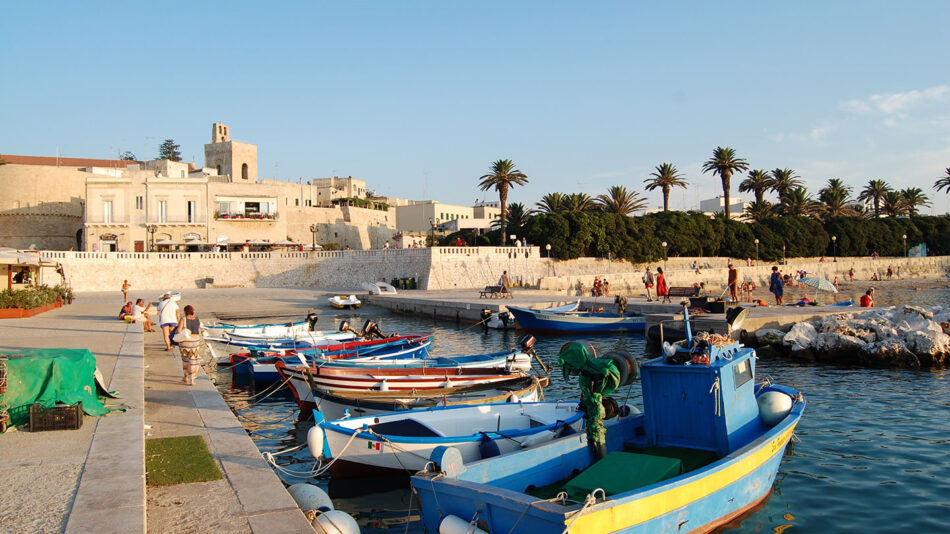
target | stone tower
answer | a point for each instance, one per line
(237, 161)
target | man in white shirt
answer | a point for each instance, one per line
(168, 317)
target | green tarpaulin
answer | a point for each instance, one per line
(619, 472)
(48, 376)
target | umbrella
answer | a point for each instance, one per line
(820, 284)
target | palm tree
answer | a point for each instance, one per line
(517, 214)
(551, 203)
(578, 202)
(837, 187)
(914, 197)
(783, 181)
(724, 162)
(759, 210)
(501, 176)
(798, 203)
(943, 182)
(874, 192)
(665, 178)
(758, 182)
(835, 203)
(619, 200)
(894, 204)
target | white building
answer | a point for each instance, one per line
(712, 206)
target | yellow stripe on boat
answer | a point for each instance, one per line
(618, 516)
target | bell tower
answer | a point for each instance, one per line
(236, 160)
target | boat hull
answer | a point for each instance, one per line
(697, 501)
(573, 323)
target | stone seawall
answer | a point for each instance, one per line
(436, 268)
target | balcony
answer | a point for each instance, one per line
(245, 216)
(101, 220)
(178, 221)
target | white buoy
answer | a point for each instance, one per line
(773, 407)
(315, 441)
(383, 386)
(453, 524)
(335, 522)
(309, 497)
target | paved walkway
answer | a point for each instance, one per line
(93, 479)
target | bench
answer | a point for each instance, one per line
(495, 291)
(684, 291)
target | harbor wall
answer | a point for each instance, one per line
(434, 269)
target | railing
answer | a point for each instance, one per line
(244, 217)
(178, 220)
(378, 254)
(110, 220)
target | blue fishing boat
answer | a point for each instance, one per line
(705, 451)
(576, 321)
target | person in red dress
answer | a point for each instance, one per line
(662, 290)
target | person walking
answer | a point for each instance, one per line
(190, 359)
(851, 274)
(776, 286)
(733, 282)
(505, 283)
(168, 317)
(662, 290)
(125, 290)
(648, 282)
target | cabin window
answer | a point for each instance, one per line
(742, 372)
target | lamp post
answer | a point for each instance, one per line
(664, 254)
(513, 237)
(904, 237)
(757, 249)
(432, 224)
(313, 234)
(548, 248)
(151, 229)
(783, 254)
(834, 243)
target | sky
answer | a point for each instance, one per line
(419, 98)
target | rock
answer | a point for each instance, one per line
(802, 354)
(837, 343)
(911, 317)
(927, 343)
(891, 353)
(800, 336)
(770, 351)
(769, 336)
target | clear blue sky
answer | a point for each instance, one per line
(581, 96)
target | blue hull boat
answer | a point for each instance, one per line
(575, 322)
(705, 451)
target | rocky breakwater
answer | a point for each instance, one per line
(901, 336)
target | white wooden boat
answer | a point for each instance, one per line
(266, 329)
(341, 302)
(378, 288)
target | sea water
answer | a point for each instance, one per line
(870, 452)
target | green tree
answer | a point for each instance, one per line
(665, 178)
(551, 203)
(169, 150)
(798, 203)
(578, 202)
(501, 175)
(759, 210)
(874, 193)
(619, 200)
(758, 182)
(725, 163)
(835, 199)
(127, 156)
(517, 215)
(783, 181)
(913, 198)
(894, 204)
(943, 182)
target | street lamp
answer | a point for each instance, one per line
(664, 253)
(904, 237)
(757, 250)
(432, 224)
(783, 254)
(834, 242)
(313, 232)
(513, 237)
(548, 248)
(151, 228)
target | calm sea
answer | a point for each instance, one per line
(871, 454)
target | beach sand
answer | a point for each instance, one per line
(886, 292)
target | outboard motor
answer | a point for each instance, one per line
(504, 317)
(371, 330)
(345, 327)
(312, 321)
(485, 316)
(527, 346)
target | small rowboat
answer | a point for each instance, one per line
(575, 322)
(334, 405)
(342, 302)
(401, 443)
(263, 329)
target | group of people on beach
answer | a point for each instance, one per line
(171, 321)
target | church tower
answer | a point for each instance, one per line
(237, 161)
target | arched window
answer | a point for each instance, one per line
(217, 169)
(244, 171)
